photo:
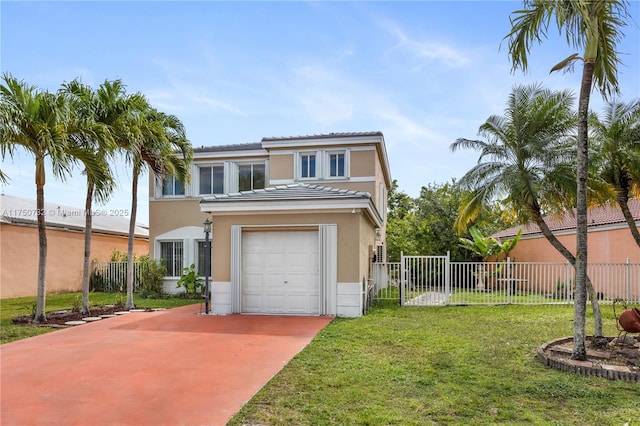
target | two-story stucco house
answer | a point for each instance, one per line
(296, 222)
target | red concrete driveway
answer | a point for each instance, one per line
(170, 367)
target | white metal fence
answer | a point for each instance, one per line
(112, 276)
(435, 280)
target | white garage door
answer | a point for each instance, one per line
(280, 272)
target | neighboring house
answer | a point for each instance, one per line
(609, 238)
(296, 222)
(19, 244)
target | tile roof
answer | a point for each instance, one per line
(606, 214)
(322, 136)
(232, 147)
(299, 191)
(258, 145)
(17, 210)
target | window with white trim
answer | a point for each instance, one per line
(172, 255)
(172, 186)
(211, 179)
(308, 165)
(251, 176)
(336, 164)
(322, 164)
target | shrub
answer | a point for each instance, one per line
(152, 273)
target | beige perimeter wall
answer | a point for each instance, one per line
(19, 258)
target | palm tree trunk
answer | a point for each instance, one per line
(579, 305)
(88, 218)
(598, 337)
(40, 316)
(132, 229)
(623, 202)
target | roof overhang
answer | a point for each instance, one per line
(291, 203)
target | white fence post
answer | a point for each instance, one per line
(507, 261)
(568, 283)
(403, 279)
(447, 278)
(628, 278)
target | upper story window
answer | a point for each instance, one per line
(251, 176)
(172, 186)
(322, 164)
(211, 179)
(307, 165)
(336, 164)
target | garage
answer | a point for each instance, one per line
(280, 272)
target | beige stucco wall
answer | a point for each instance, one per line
(349, 262)
(605, 246)
(169, 214)
(367, 243)
(65, 255)
(281, 167)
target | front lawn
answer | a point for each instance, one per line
(441, 365)
(11, 308)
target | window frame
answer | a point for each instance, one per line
(210, 167)
(252, 164)
(174, 257)
(327, 168)
(317, 165)
(323, 164)
(172, 181)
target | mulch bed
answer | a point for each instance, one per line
(59, 318)
(619, 362)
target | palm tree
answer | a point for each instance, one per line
(617, 153)
(159, 143)
(594, 26)
(100, 111)
(37, 121)
(526, 160)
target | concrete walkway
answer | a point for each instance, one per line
(171, 367)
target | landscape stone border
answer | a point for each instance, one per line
(585, 368)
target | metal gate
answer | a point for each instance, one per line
(425, 280)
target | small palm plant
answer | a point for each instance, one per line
(190, 280)
(486, 247)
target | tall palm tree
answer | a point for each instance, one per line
(594, 26)
(37, 121)
(616, 153)
(99, 111)
(159, 143)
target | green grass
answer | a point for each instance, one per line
(11, 308)
(441, 365)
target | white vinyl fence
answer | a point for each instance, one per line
(112, 276)
(435, 280)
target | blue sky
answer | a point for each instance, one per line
(423, 73)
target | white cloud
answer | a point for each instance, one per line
(217, 105)
(425, 51)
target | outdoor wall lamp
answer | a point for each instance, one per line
(378, 234)
(207, 263)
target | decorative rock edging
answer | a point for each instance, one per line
(585, 368)
(105, 316)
